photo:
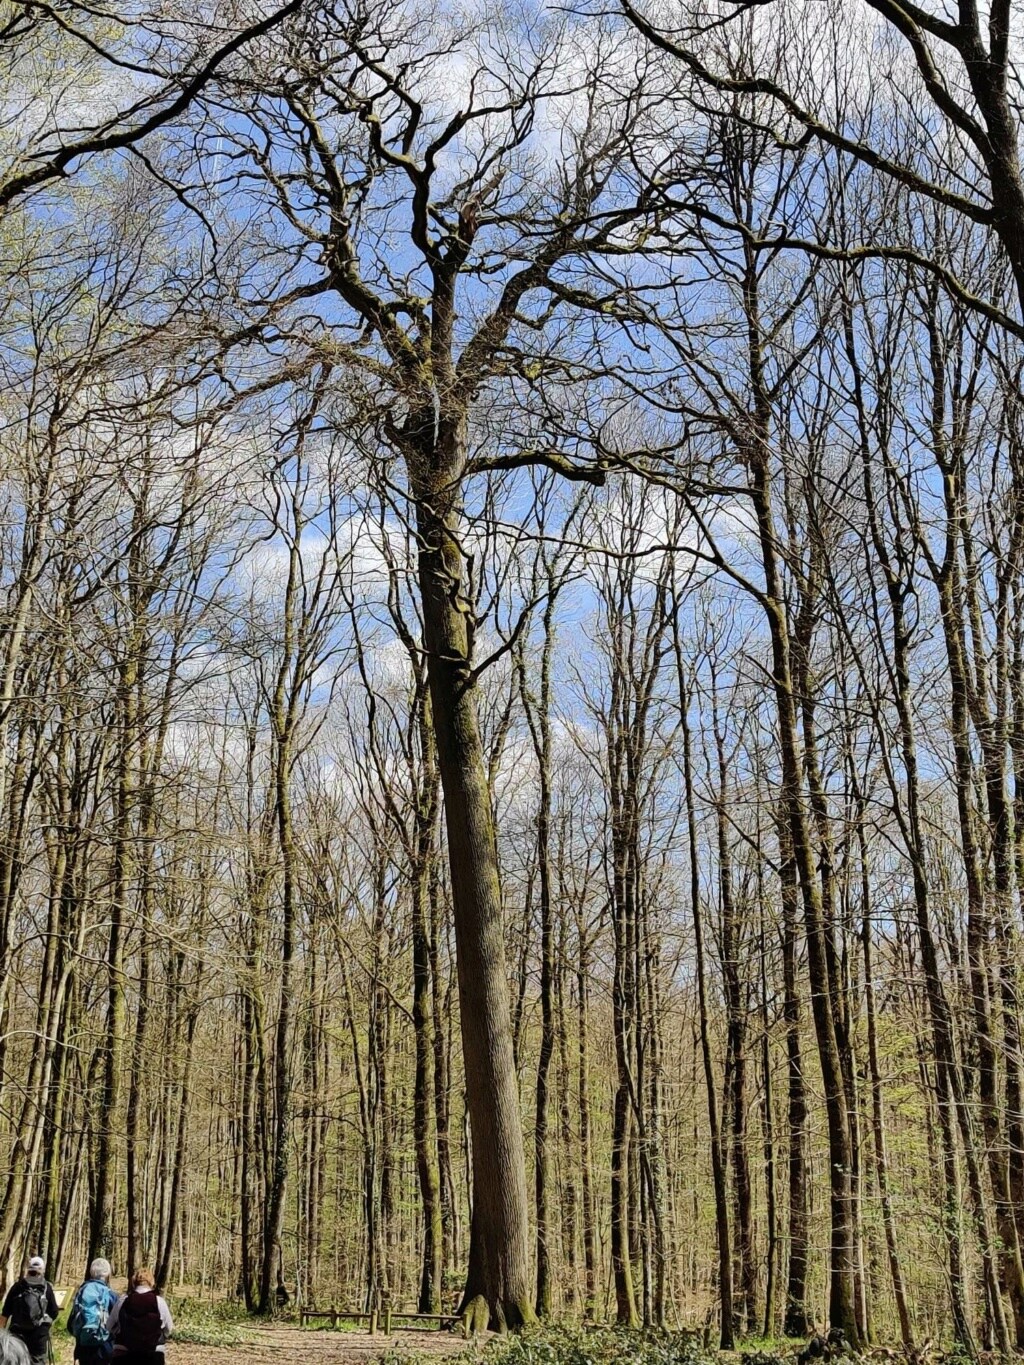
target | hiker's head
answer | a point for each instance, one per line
(100, 1269)
(13, 1350)
(143, 1278)
(36, 1265)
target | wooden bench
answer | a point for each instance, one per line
(443, 1320)
(384, 1319)
(336, 1315)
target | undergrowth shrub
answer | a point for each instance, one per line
(199, 1322)
(603, 1346)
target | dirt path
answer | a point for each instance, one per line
(289, 1346)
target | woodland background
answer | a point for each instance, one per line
(722, 305)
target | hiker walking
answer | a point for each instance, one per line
(140, 1323)
(30, 1308)
(90, 1309)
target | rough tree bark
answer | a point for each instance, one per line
(497, 1290)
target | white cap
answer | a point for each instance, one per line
(36, 1264)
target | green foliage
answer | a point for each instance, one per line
(397, 1357)
(63, 1345)
(764, 1355)
(551, 1345)
(773, 1345)
(199, 1322)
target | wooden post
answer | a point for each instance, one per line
(387, 1322)
(373, 1322)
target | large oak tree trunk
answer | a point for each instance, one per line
(498, 1284)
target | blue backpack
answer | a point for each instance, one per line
(88, 1320)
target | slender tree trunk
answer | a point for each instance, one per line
(424, 1082)
(796, 1320)
(652, 1151)
(948, 576)
(824, 1005)
(737, 1012)
(101, 1231)
(725, 1292)
(539, 718)
(278, 1182)
(583, 1086)
(439, 998)
(947, 1067)
(18, 1196)
(252, 1165)
(138, 1244)
(767, 1117)
(171, 1228)
(566, 1135)
(877, 1115)
(382, 1193)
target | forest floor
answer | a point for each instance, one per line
(282, 1345)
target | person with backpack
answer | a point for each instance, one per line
(30, 1308)
(140, 1323)
(90, 1309)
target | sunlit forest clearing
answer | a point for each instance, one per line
(512, 673)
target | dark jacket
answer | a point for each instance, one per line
(18, 1310)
